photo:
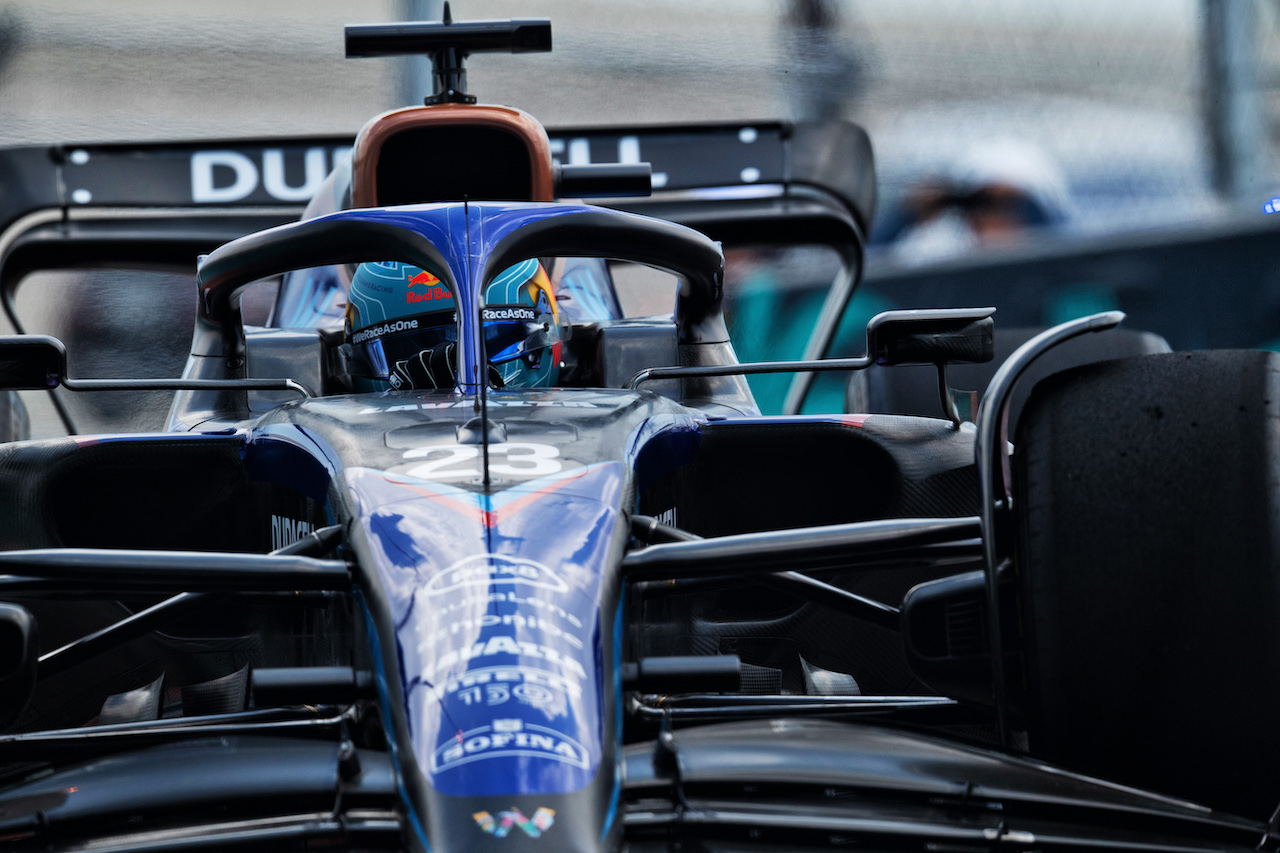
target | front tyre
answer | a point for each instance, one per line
(1149, 570)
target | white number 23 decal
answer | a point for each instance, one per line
(515, 459)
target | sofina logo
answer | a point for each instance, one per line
(500, 826)
(508, 738)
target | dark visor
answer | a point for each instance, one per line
(510, 331)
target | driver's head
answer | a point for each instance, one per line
(402, 327)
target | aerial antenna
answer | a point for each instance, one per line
(481, 381)
(479, 429)
(449, 43)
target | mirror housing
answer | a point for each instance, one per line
(31, 362)
(19, 660)
(950, 336)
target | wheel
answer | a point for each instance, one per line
(1149, 572)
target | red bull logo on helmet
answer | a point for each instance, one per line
(431, 289)
(431, 295)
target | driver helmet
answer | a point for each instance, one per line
(401, 323)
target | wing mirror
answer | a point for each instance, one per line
(951, 336)
(19, 658)
(31, 362)
(913, 336)
(39, 363)
(937, 337)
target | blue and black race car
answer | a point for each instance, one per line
(457, 549)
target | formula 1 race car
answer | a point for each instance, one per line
(455, 551)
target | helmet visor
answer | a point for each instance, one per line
(511, 331)
(378, 348)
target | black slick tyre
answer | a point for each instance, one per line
(1149, 570)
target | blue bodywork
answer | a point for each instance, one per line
(488, 574)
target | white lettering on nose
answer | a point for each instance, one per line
(286, 531)
(273, 175)
(203, 190)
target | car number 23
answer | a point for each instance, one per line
(513, 459)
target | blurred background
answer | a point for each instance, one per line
(1000, 127)
(1130, 112)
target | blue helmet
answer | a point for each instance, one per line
(402, 326)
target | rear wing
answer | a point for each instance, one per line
(834, 157)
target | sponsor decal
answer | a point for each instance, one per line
(222, 177)
(510, 312)
(500, 826)
(431, 289)
(383, 329)
(504, 645)
(518, 621)
(506, 738)
(500, 653)
(495, 570)
(668, 517)
(430, 295)
(548, 608)
(499, 694)
(531, 686)
(286, 531)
